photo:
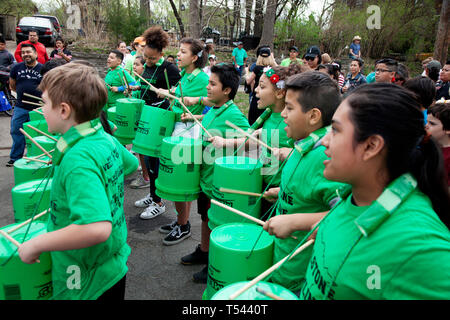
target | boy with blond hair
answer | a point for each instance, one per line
(87, 231)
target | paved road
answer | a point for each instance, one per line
(155, 271)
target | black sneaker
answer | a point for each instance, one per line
(167, 228)
(196, 257)
(201, 276)
(10, 163)
(178, 234)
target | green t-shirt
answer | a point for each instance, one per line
(303, 189)
(214, 121)
(406, 257)
(129, 65)
(240, 55)
(114, 78)
(88, 187)
(274, 135)
(193, 85)
(287, 62)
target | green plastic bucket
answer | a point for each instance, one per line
(155, 125)
(111, 114)
(45, 142)
(238, 173)
(38, 124)
(237, 252)
(25, 198)
(128, 113)
(34, 115)
(26, 170)
(179, 169)
(252, 294)
(21, 281)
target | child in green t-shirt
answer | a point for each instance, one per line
(87, 230)
(271, 93)
(388, 238)
(222, 88)
(305, 196)
(191, 57)
(115, 78)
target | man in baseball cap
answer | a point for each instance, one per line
(313, 57)
(293, 57)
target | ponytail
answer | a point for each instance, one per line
(105, 123)
(393, 112)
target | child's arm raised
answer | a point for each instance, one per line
(71, 237)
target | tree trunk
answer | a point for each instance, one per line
(259, 18)
(443, 35)
(177, 16)
(269, 24)
(145, 10)
(194, 21)
(248, 15)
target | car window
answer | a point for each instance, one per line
(35, 22)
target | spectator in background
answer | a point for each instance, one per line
(443, 85)
(313, 57)
(433, 69)
(424, 65)
(6, 61)
(341, 76)
(355, 48)
(61, 51)
(170, 59)
(25, 77)
(239, 57)
(330, 69)
(385, 70)
(212, 59)
(401, 75)
(293, 57)
(438, 126)
(33, 39)
(326, 58)
(122, 47)
(53, 63)
(425, 90)
(355, 78)
(139, 45)
(264, 59)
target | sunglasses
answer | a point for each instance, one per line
(309, 58)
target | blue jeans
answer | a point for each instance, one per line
(20, 116)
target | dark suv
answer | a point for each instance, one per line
(44, 27)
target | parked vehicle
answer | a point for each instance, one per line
(53, 19)
(46, 31)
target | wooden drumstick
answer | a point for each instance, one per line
(27, 221)
(37, 110)
(270, 270)
(248, 135)
(31, 96)
(33, 103)
(37, 160)
(179, 100)
(37, 144)
(242, 214)
(269, 294)
(245, 193)
(42, 132)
